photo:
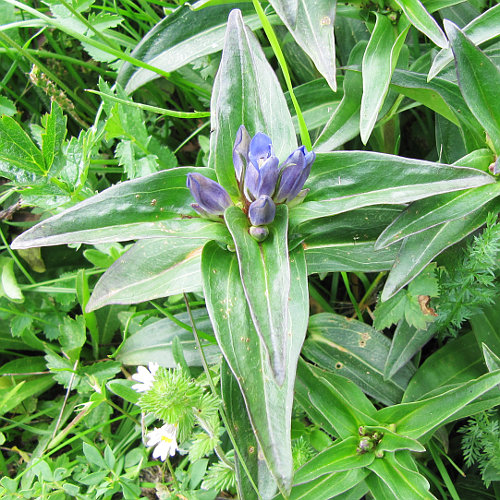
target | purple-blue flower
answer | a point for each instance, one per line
(262, 211)
(212, 198)
(262, 168)
(240, 152)
(293, 174)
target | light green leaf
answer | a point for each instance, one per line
(481, 29)
(402, 482)
(268, 404)
(418, 418)
(52, 139)
(8, 282)
(379, 62)
(149, 207)
(335, 403)
(180, 38)
(491, 359)
(346, 180)
(342, 456)
(7, 106)
(314, 31)
(17, 150)
(479, 80)
(423, 21)
(246, 92)
(154, 342)
(485, 325)
(152, 268)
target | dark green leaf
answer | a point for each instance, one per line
(419, 249)
(180, 38)
(268, 404)
(150, 207)
(436, 210)
(314, 31)
(479, 80)
(246, 91)
(485, 325)
(357, 351)
(346, 180)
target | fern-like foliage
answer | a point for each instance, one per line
(469, 283)
(481, 444)
(220, 476)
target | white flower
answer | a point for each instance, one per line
(165, 440)
(145, 377)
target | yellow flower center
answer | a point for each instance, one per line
(166, 439)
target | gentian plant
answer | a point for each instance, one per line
(259, 228)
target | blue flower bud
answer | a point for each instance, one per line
(261, 148)
(294, 173)
(240, 152)
(262, 211)
(260, 181)
(211, 197)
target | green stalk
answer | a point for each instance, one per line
(442, 470)
(304, 133)
(351, 296)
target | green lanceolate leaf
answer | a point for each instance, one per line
(420, 417)
(346, 180)
(355, 351)
(180, 38)
(457, 362)
(152, 206)
(345, 242)
(151, 269)
(268, 404)
(491, 359)
(154, 342)
(248, 448)
(379, 61)
(334, 402)
(481, 29)
(479, 80)
(53, 137)
(343, 124)
(330, 486)
(406, 342)
(443, 97)
(246, 92)
(401, 481)
(265, 275)
(342, 456)
(420, 248)
(485, 326)
(423, 21)
(436, 210)
(314, 32)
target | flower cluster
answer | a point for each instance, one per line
(263, 183)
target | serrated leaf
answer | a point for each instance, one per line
(246, 92)
(52, 139)
(479, 80)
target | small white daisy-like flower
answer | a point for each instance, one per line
(145, 377)
(165, 441)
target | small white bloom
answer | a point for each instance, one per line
(165, 440)
(145, 377)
